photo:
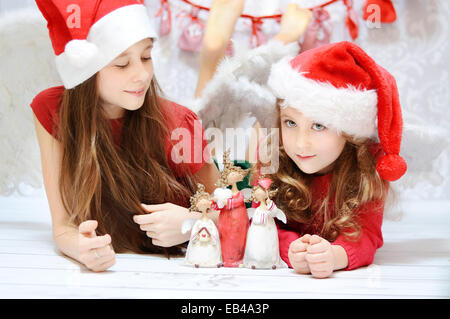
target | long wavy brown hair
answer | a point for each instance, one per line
(354, 181)
(107, 182)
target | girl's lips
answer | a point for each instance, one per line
(139, 92)
(305, 157)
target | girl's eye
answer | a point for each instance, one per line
(122, 66)
(318, 127)
(289, 123)
(147, 59)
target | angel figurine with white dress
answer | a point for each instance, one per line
(204, 245)
(262, 248)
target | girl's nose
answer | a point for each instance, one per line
(303, 140)
(141, 73)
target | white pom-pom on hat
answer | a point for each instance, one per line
(80, 52)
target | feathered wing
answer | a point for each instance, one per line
(187, 225)
(421, 147)
(238, 87)
(27, 68)
(250, 212)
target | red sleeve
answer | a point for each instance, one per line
(285, 238)
(45, 106)
(361, 253)
(187, 146)
(235, 201)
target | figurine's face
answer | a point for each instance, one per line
(203, 204)
(259, 194)
(234, 177)
(312, 146)
(203, 235)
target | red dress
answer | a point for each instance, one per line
(46, 106)
(233, 226)
(370, 218)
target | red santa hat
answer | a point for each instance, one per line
(88, 34)
(340, 86)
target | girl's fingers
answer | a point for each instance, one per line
(96, 242)
(317, 248)
(314, 239)
(102, 263)
(305, 238)
(156, 207)
(104, 251)
(87, 228)
(317, 258)
(298, 258)
(152, 234)
(146, 219)
(298, 246)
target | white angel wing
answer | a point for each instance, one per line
(421, 147)
(27, 67)
(187, 225)
(247, 192)
(275, 212)
(250, 212)
(238, 87)
(278, 213)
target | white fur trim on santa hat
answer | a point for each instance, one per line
(111, 35)
(349, 110)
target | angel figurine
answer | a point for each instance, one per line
(233, 220)
(262, 249)
(204, 245)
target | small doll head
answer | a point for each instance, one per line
(231, 174)
(201, 200)
(261, 192)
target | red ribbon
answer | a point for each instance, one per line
(165, 26)
(352, 19)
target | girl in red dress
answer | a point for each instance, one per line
(105, 137)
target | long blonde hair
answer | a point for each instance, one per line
(355, 181)
(102, 181)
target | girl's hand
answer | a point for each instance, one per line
(297, 254)
(320, 257)
(294, 22)
(163, 225)
(95, 252)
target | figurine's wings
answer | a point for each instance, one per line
(275, 212)
(27, 67)
(187, 225)
(250, 212)
(247, 192)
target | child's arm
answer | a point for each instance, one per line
(81, 243)
(219, 28)
(362, 252)
(324, 257)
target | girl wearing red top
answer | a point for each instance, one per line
(109, 144)
(340, 121)
(340, 125)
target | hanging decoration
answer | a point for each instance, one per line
(318, 32)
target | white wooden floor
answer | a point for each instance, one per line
(413, 263)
